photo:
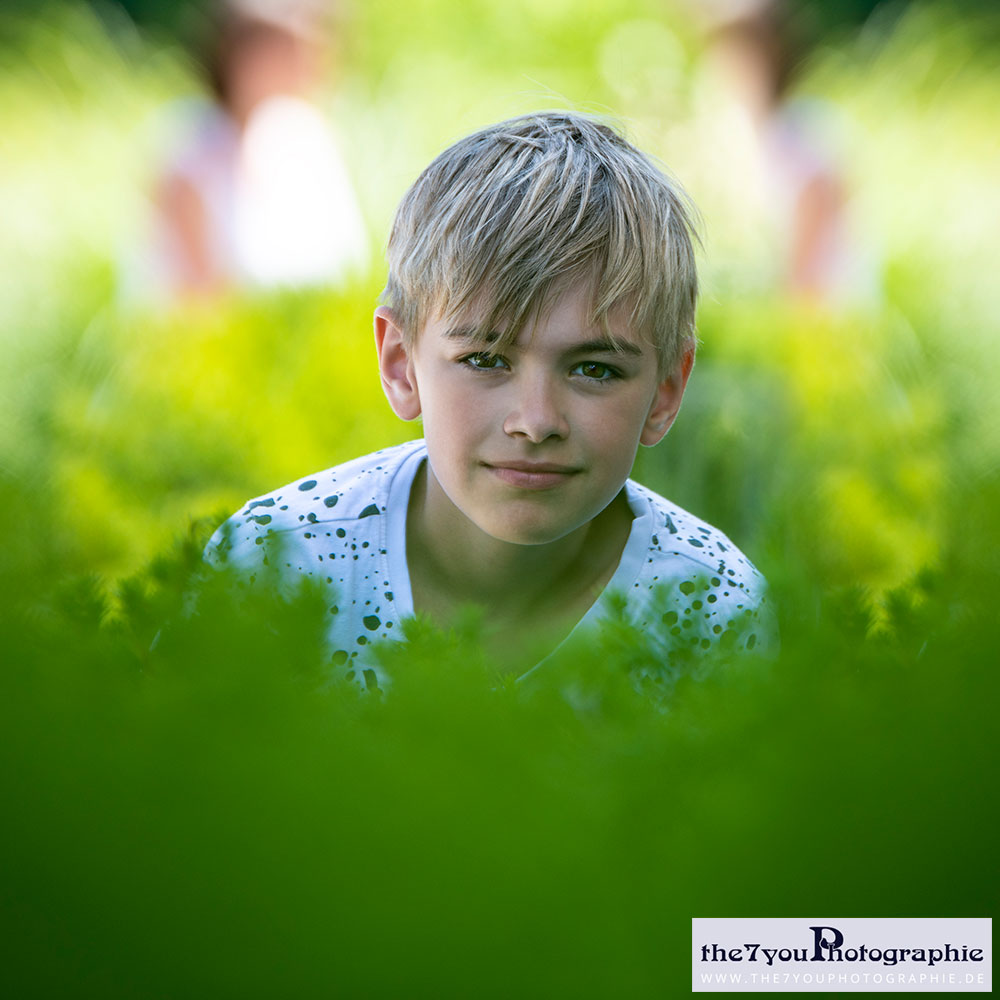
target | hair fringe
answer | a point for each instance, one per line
(507, 217)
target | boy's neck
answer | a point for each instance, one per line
(454, 564)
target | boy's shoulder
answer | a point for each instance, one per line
(680, 534)
(352, 491)
(342, 530)
(691, 578)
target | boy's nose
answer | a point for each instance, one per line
(536, 413)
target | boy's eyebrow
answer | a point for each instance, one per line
(599, 345)
(605, 346)
(470, 334)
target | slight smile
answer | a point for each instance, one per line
(532, 475)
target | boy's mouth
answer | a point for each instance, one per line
(532, 475)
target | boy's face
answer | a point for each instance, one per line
(535, 441)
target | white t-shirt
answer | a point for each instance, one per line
(685, 585)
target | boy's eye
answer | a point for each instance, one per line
(595, 370)
(484, 362)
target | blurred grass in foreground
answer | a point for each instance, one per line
(209, 815)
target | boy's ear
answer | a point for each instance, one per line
(395, 365)
(667, 401)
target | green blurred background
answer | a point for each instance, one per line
(210, 820)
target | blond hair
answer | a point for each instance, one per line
(506, 218)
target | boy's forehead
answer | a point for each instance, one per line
(565, 316)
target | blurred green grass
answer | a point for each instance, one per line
(199, 809)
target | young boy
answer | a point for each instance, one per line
(539, 317)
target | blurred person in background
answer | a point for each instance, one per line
(253, 191)
(790, 150)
